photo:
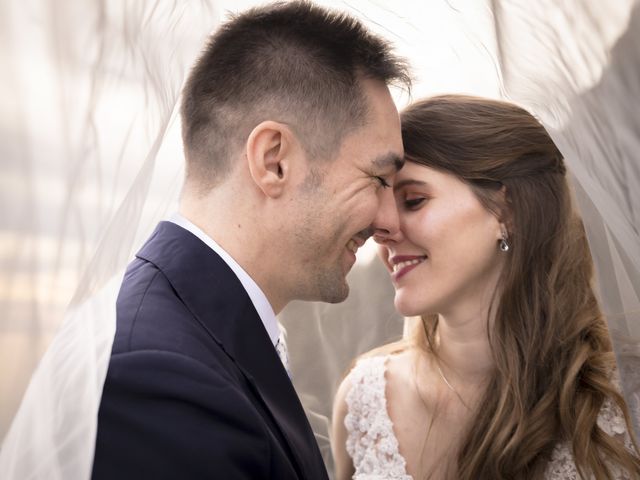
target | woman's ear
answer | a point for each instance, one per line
(268, 151)
(504, 210)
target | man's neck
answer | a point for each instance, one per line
(237, 234)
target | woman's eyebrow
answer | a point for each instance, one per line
(410, 181)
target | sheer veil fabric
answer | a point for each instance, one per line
(91, 160)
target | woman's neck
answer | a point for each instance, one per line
(462, 347)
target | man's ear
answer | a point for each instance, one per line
(269, 149)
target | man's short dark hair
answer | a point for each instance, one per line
(292, 62)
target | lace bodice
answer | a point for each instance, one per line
(371, 442)
(373, 446)
(611, 421)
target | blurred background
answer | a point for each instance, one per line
(91, 159)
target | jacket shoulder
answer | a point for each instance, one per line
(151, 316)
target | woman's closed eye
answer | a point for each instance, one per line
(413, 202)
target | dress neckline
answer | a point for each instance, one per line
(372, 442)
(383, 379)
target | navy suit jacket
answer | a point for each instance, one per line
(195, 388)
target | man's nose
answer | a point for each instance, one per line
(386, 224)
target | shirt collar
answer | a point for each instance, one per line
(257, 296)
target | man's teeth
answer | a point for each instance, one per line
(406, 263)
(352, 245)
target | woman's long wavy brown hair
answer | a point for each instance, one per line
(553, 355)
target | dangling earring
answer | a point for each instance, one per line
(504, 244)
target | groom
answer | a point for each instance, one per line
(291, 141)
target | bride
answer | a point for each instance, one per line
(510, 371)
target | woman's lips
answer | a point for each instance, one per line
(403, 264)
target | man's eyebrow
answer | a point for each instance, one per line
(409, 181)
(389, 160)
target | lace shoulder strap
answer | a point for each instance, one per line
(371, 442)
(611, 419)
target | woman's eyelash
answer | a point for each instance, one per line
(413, 202)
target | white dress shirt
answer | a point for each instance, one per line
(257, 296)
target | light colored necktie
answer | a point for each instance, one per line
(281, 349)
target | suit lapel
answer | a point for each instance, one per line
(217, 299)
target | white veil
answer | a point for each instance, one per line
(91, 160)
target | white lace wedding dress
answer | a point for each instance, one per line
(373, 447)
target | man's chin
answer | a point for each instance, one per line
(336, 298)
(335, 290)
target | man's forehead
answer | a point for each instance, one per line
(389, 160)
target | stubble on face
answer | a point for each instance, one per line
(321, 275)
(343, 203)
(332, 286)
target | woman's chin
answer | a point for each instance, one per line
(406, 308)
